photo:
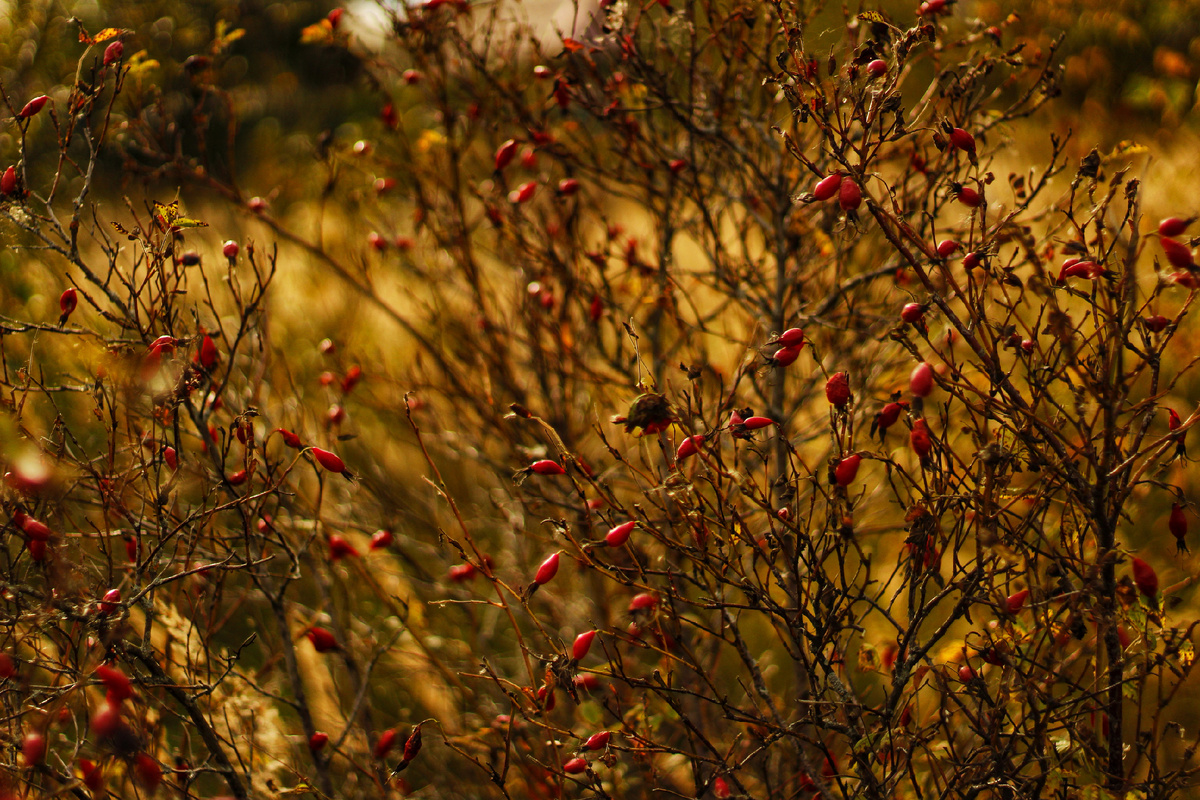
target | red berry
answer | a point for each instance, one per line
(115, 681)
(106, 719)
(329, 460)
(598, 741)
(523, 193)
(411, 77)
(921, 381)
(35, 529)
(505, 154)
(1178, 524)
(972, 260)
(108, 605)
(1145, 578)
(412, 745)
(568, 186)
(1156, 323)
(34, 748)
(8, 182)
(67, 303)
(461, 572)
(335, 17)
(93, 777)
(947, 247)
(677, 165)
(148, 772)
(384, 744)
(587, 683)
(847, 469)
(1173, 226)
(785, 356)
(620, 534)
(643, 601)
(966, 673)
(919, 438)
(887, 417)
(33, 106)
(575, 766)
(877, 68)
(547, 467)
(1016, 601)
(1179, 256)
(837, 389)
(339, 548)
(962, 140)
(323, 641)
(546, 571)
(792, 337)
(721, 789)
(208, 352)
(583, 643)
(827, 187)
(689, 447)
(968, 196)
(290, 439)
(317, 741)
(257, 204)
(37, 550)
(382, 539)
(912, 313)
(849, 195)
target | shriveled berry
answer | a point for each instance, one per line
(837, 389)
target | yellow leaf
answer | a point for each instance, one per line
(874, 16)
(320, 33)
(139, 64)
(102, 36)
(868, 659)
(430, 139)
(1187, 654)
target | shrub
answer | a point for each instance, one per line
(738, 417)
